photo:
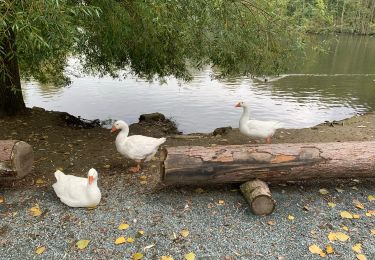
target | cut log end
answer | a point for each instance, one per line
(259, 197)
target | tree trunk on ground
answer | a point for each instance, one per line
(200, 165)
(11, 99)
(259, 197)
(16, 159)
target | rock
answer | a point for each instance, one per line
(78, 122)
(154, 124)
(151, 117)
(39, 109)
(222, 130)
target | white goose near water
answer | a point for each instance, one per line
(256, 128)
(77, 191)
(136, 147)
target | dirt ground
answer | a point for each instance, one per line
(58, 145)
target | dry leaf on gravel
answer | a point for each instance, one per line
(120, 240)
(331, 204)
(190, 256)
(2, 199)
(130, 240)
(271, 222)
(361, 257)
(314, 249)
(221, 202)
(357, 248)
(184, 232)
(323, 191)
(82, 244)
(346, 214)
(166, 257)
(359, 205)
(35, 211)
(329, 249)
(372, 231)
(371, 198)
(40, 250)
(137, 256)
(199, 190)
(337, 236)
(290, 217)
(123, 226)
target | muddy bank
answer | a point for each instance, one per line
(60, 142)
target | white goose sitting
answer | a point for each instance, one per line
(256, 128)
(77, 191)
(136, 147)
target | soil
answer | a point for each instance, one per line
(74, 148)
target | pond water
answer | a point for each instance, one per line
(329, 86)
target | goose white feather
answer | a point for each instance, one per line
(77, 191)
(256, 128)
(136, 147)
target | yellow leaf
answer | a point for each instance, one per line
(141, 232)
(137, 256)
(345, 228)
(130, 240)
(120, 240)
(35, 211)
(271, 222)
(329, 249)
(357, 248)
(143, 178)
(82, 244)
(371, 211)
(166, 257)
(40, 250)
(290, 217)
(359, 205)
(184, 232)
(373, 231)
(221, 202)
(368, 214)
(315, 249)
(39, 181)
(361, 257)
(143, 182)
(337, 236)
(199, 190)
(331, 204)
(346, 214)
(371, 197)
(123, 226)
(190, 256)
(323, 191)
(356, 216)
(1, 199)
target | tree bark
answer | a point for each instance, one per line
(16, 159)
(200, 165)
(259, 197)
(11, 99)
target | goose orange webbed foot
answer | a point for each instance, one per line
(135, 169)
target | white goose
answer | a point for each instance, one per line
(77, 191)
(256, 128)
(136, 147)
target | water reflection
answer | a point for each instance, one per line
(328, 87)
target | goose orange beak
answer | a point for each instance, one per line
(91, 179)
(114, 129)
(238, 105)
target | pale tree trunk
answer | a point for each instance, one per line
(11, 99)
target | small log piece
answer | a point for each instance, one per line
(259, 197)
(16, 159)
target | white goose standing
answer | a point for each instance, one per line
(136, 147)
(256, 128)
(77, 191)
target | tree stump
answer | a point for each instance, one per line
(16, 159)
(259, 197)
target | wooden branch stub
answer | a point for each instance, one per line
(259, 197)
(16, 159)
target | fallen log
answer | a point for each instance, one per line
(274, 162)
(16, 159)
(259, 197)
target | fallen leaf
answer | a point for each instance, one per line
(130, 240)
(359, 205)
(339, 190)
(143, 182)
(356, 216)
(35, 211)
(346, 214)
(368, 214)
(290, 217)
(337, 236)
(331, 204)
(140, 233)
(357, 248)
(371, 198)
(199, 190)
(137, 256)
(120, 240)
(39, 181)
(323, 191)
(143, 177)
(167, 257)
(82, 244)
(361, 257)
(184, 232)
(316, 250)
(40, 250)
(149, 246)
(271, 222)
(221, 202)
(329, 249)
(1, 199)
(345, 228)
(190, 256)
(107, 166)
(354, 188)
(371, 211)
(123, 226)
(373, 231)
